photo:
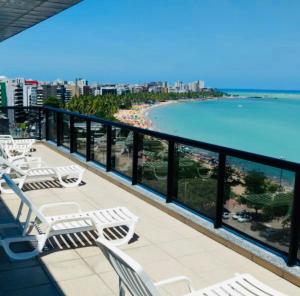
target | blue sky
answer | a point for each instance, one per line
(228, 43)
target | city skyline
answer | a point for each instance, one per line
(24, 92)
(72, 80)
(136, 41)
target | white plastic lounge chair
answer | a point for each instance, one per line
(12, 152)
(20, 157)
(38, 171)
(11, 148)
(133, 279)
(8, 139)
(118, 222)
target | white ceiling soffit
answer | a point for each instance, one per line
(19, 15)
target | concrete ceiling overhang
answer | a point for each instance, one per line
(19, 15)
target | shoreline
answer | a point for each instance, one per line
(138, 114)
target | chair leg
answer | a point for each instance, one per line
(5, 243)
(127, 237)
(70, 185)
(121, 241)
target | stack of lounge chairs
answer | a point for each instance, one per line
(30, 169)
(15, 148)
(114, 227)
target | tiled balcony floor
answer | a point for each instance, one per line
(165, 247)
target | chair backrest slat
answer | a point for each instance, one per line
(6, 139)
(130, 272)
(133, 280)
(24, 199)
(7, 148)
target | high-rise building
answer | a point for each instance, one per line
(14, 92)
(72, 89)
(201, 84)
(49, 90)
(165, 84)
(3, 95)
(96, 89)
(68, 93)
(30, 92)
(4, 122)
(60, 93)
(79, 85)
(179, 87)
(40, 96)
(108, 90)
(122, 89)
(63, 92)
(86, 90)
(196, 86)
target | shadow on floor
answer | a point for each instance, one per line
(22, 278)
(47, 184)
(32, 277)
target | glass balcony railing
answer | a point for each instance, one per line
(121, 151)
(197, 183)
(98, 143)
(21, 122)
(255, 196)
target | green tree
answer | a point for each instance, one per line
(255, 182)
(199, 194)
(254, 201)
(279, 205)
(232, 178)
(106, 106)
(52, 101)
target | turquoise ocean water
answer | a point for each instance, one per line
(263, 122)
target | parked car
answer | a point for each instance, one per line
(272, 234)
(236, 215)
(244, 218)
(226, 215)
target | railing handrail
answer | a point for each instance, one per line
(250, 156)
(267, 160)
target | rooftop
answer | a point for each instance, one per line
(163, 245)
(17, 16)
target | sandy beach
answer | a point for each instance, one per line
(137, 115)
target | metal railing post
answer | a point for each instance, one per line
(72, 134)
(295, 226)
(108, 148)
(135, 158)
(47, 124)
(88, 140)
(220, 190)
(40, 123)
(58, 128)
(171, 173)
